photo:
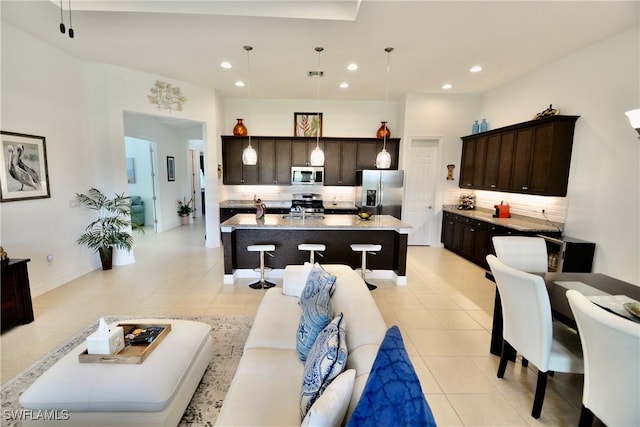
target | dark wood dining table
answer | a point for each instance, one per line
(557, 297)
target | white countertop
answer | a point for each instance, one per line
(517, 222)
(330, 222)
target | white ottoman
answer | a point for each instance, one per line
(153, 393)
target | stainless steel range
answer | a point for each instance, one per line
(307, 205)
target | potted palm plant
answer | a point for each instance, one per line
(110, 229)
(184, 210)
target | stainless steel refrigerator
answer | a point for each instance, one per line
(380, 191)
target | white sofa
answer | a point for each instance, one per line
(265, 390)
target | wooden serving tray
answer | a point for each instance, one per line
(130, 354)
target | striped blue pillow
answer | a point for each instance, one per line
(327, 359)
(317, 280)
(316, 314)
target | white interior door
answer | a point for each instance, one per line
(420, 192)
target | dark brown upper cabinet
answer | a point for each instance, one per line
(531, 157)
(276, 155)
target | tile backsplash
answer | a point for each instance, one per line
(285, 192)
(520, 204)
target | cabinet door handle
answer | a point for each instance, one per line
(473, 230)
(525, 188)
(493, 186)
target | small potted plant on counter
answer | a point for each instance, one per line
(110, 229)
(184, 210)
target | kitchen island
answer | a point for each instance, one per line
(337, 232)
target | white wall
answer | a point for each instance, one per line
(599, 84)
(271, 117)
(37, 101)
(79, 109)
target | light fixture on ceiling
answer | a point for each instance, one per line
(475, 69)
(317, 155)
(383, 159)
(249, 155)
(634, 119)
(166, 97)
(63, 29)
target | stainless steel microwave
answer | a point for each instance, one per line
(307, 175)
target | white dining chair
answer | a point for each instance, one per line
(611, 349)
(528, 328)
(524, 253)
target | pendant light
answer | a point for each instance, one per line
(317, 155)
(249, 155)
(383, 159)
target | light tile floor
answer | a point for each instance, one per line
(444, 314)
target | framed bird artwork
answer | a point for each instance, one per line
(24, 174)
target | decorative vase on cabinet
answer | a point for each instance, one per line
(239, 129)
(382, 130)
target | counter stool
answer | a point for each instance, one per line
(262, 283)
(312, 247)
(364, 248)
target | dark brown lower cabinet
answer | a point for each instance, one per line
(17, 308)
(471, 238)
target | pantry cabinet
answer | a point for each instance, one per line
(531, 157)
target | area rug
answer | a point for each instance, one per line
(229, 335)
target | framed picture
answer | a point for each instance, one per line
(131, 171)
(171, 168)
(307, 124)
(24, 172)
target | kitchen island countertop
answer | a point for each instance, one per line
(330, 222)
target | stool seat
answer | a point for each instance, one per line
(364, 248)
(260, 248)
(262, 283)
(359, 247)
(311, 247)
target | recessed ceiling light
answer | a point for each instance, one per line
(447, 86)
(352, 67)
(226, 65)
(240, 83)
(344, 85)
(475, 69)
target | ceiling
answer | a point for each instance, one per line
(435, 42)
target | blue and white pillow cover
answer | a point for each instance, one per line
(326, 360)
(317, 312)
(317, 280)
(392, 394)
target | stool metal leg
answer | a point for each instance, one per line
(371, 286)
(262, 283)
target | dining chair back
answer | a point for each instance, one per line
(611, 348)
(529, 329)
(524, 253)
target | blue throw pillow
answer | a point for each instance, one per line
(392, 394)
(316, 314)
(327, 359)
(317, 280)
